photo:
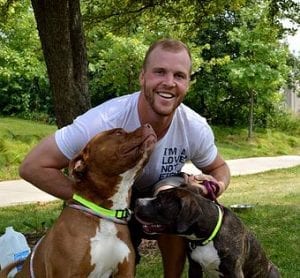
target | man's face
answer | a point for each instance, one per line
(165, 80)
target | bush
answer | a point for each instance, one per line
(285, 121)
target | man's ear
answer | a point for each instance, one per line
(141, 78)
(77, 167)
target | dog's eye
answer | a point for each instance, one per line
(159, 206)
(119, 132)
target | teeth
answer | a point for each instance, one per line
(165, 94)
(153, 228)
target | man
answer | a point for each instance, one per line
(182, 135)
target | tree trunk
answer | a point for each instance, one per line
(61, 33)
(251, 113)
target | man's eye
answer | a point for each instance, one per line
(180, 76)
(159, 72)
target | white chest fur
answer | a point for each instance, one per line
(107, 250)
(207, 256)
(120, 199)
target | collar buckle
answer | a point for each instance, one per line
(123, 213)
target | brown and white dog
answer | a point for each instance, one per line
(219, 243)
(89, 239)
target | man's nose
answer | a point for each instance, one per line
(169, 80)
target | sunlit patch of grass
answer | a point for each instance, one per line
(272, 187)
(275, 217)
(274, 220)
(17, 138)
(233, 143)
(16, 128)
(36, 214)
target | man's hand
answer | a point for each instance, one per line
(208, 184)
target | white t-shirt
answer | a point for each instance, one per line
(189, 137)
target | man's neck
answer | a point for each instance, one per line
(159, 123)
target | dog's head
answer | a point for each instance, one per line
(173, 211)
(113, 153)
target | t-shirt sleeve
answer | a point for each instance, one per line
(72, 138)
(204, 148)
(111, 114)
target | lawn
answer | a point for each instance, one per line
(274, 219)
(18, 136)
(275, 195)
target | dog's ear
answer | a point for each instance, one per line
(77, 167)
(196, 189)
(188, 214)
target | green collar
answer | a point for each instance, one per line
(217, 228)
(118, 215)
(194, 243)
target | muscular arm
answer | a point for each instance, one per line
(42, 167)
(219, 170)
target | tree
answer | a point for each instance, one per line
(211, 94)
(260, 70)
(60, 29)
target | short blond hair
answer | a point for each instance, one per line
(168, 45)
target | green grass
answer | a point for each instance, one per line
(233, 143)
(274, 219)
(276, 194)
(18, 136)
(35, 217)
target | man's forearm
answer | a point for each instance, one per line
(53, 182)
(222, 175)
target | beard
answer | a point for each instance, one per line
(156, 102)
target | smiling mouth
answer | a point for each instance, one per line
(165, 95)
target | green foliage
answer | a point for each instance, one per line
(261, 68)
(114, 67)
(153, 19)
(242, 62)
(285, 122)
(261, 65)
(212, 95)
(229, 42)
(23, 84)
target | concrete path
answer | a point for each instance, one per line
(21, 192)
